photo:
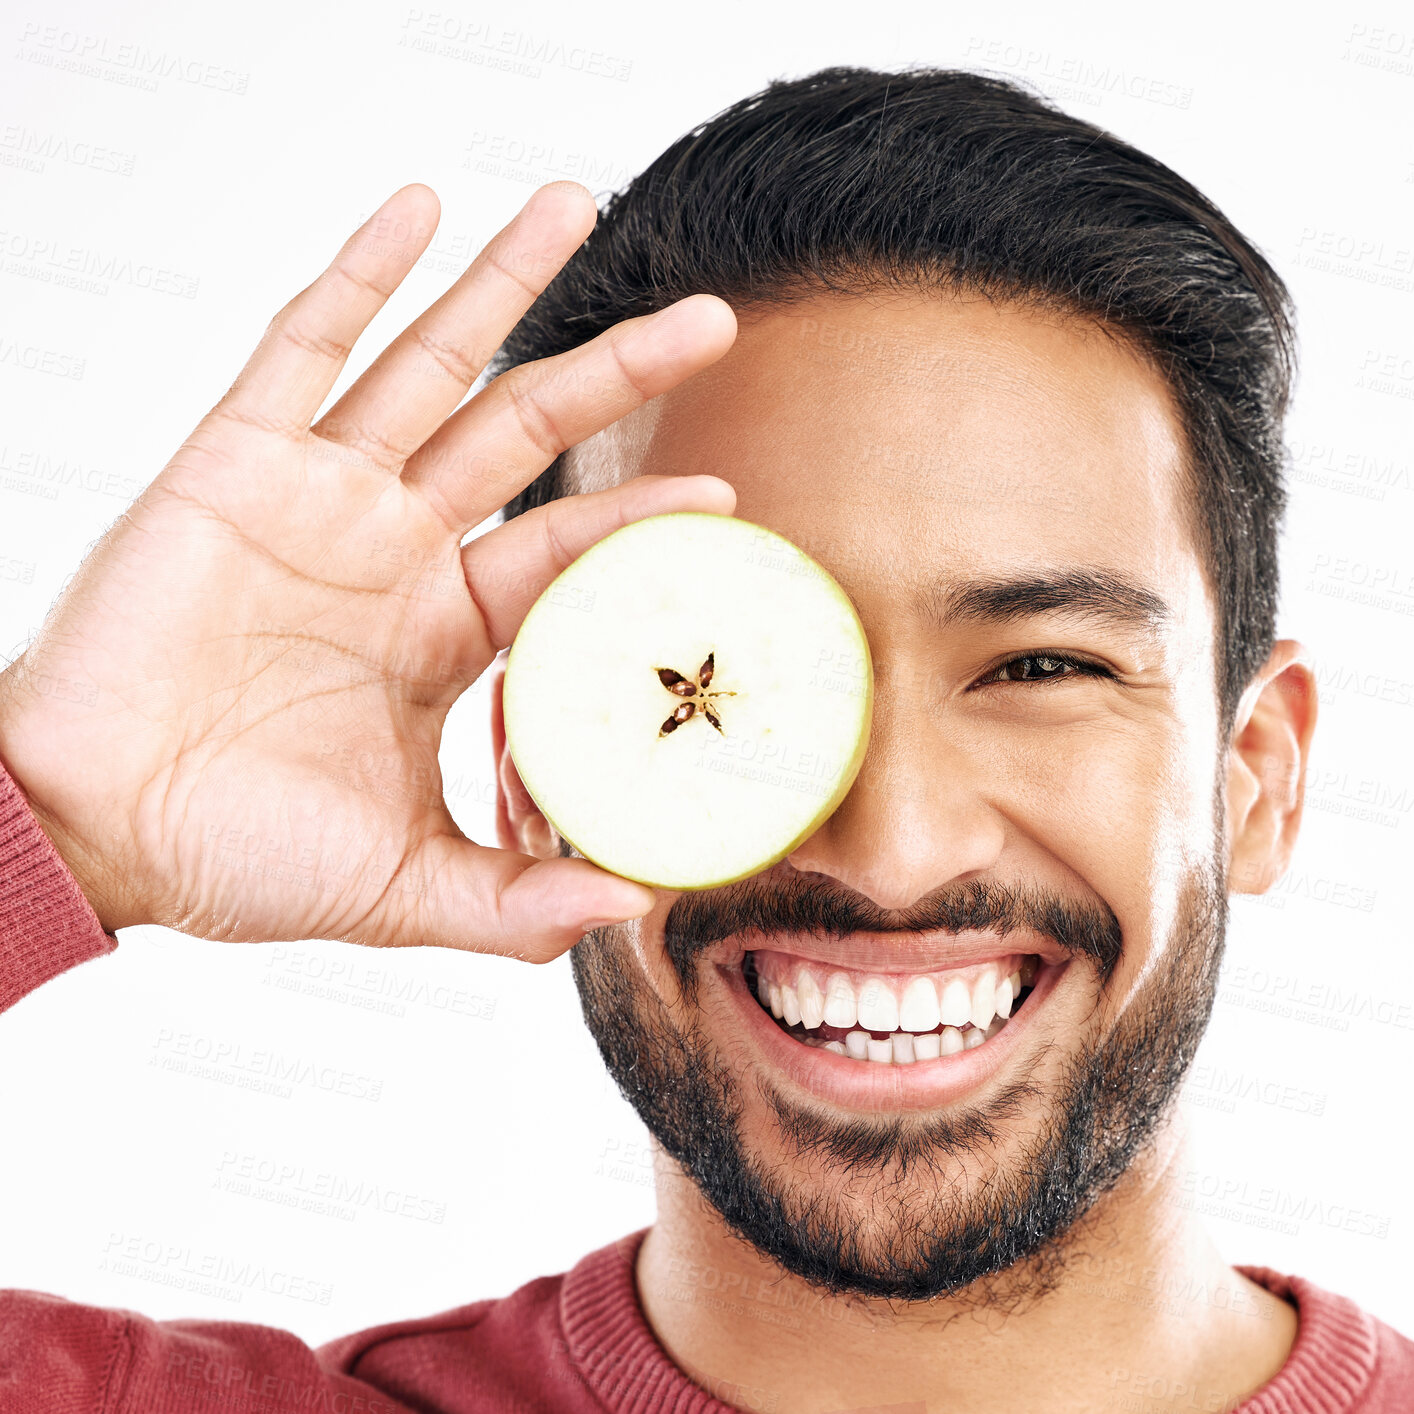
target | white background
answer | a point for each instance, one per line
(235, 176)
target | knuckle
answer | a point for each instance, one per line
(361, 283)
(454, 362)
(366, 439)
(308, 340)
(230, 409)
(561, 554)
(525, 286)
(535, 422)
(634, 381)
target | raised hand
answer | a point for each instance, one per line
(279, 625)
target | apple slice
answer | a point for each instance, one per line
(689, 700)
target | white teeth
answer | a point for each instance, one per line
(790, 1005)
(955, 1007)
(984, 999)
(812, 999)
(971, 1006)
(840, 1006)
(919, 1009)
(878, 1007)
(904, 1048)
(1005, 993)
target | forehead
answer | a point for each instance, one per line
(904, 438)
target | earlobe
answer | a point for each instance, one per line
(519, 824)
(1266, 785)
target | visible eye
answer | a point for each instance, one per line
(1049, 668)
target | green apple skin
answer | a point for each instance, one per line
(845, 781)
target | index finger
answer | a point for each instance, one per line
(497, 443)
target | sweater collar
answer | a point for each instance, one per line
(1332, 1360)
(617, 1355)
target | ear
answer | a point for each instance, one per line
(1266, 783)
(519, 824)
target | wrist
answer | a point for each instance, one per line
(28, 749)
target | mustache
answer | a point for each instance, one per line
(798, 902)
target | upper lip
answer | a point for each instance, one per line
(891, 952)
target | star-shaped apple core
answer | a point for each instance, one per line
(695, 689)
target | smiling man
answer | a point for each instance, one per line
(1020, 389)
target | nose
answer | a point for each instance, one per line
(916, 818)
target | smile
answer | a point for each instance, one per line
(890, 1019)
(879, 1025)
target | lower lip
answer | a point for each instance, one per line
(872, 1085)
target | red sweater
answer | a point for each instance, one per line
(573, 1342)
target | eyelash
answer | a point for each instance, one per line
(1083, 668)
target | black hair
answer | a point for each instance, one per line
(852, 180)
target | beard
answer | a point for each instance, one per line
(878, 1206)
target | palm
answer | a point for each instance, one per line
(315, 670)
(278, 628)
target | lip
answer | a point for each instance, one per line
(870, 1086)
(892, 953)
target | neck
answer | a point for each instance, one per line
(1142, 1299)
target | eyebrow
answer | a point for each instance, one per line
(1079, 593)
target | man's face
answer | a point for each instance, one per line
(911, 444)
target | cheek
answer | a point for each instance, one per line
(1126, 810)
(1093, 794)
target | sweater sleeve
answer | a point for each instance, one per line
(46, 924)
(69, 1358)
(66, 1358)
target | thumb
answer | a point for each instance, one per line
(454, 893)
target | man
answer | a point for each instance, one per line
(1020, 388)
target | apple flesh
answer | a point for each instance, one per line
(689, 700)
